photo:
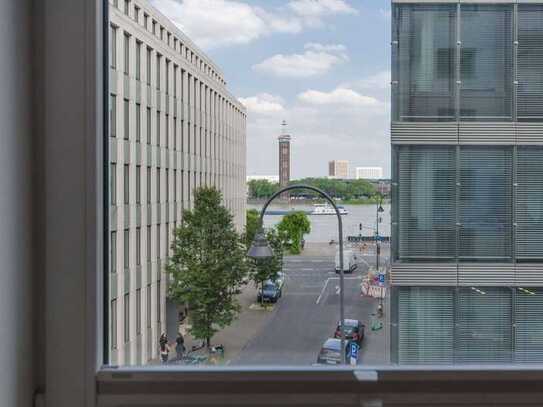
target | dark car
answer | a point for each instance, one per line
(354, 330)
(330, 352)
(270, 292)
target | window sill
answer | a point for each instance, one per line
(321, 386)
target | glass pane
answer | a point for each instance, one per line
(485, 213)
(530, 62)
(484, 332)
(194, 159)
(426, 203)
(529, 206)
(425, 63)
(426, 325)
(486, 66)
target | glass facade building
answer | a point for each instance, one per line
(467, 188)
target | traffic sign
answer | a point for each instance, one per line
(381, 279)
(353, 353)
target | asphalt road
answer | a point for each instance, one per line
(307, 314)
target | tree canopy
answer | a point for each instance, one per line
(345, 189)
(292, 229)
(208, 264)
(252, 224)
(336, 188)
(262, 188)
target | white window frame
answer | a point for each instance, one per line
(70, 369)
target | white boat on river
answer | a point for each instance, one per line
(326, 209)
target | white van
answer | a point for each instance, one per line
(349, 261)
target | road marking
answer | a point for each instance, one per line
(322, 291)
(338, 290)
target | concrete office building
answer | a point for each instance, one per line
(338, 169)
(174, 127)
(369, 173)
(467, 169)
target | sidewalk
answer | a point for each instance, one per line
(249, 323)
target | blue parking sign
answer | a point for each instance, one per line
(381, 278)
(353, 351)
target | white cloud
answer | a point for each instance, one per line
(215, 23)
(318, 59)
(380, 80)
(263, 103)
(339, 97)
(320, 8)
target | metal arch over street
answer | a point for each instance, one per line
(340, 232)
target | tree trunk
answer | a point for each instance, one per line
(208, 342)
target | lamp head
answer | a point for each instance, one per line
(260, 248)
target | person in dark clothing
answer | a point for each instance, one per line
(164, 348)
(179, 346)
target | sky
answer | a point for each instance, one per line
(321, 65)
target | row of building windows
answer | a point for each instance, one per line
(200, 140)
(126, 315)
(468, 203)
(149, 240)
(467, 62)
(176, 187)
(132, 10)
(467, 325)
(197, 90)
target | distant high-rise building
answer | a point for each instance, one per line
(284, 158)
(338, 169)
(369, 173)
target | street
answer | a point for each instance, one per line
(307, 315)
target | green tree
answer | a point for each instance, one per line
(208, 264)
(252, 224)
(261, 188)
(337, 188)
(268, 269)
(292, 229)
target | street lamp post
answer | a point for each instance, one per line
(377, 246)
(260, 249)
(380, 210)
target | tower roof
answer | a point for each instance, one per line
(284, 132)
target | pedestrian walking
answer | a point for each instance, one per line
(164, 348)
(179, 346)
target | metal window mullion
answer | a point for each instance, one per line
(515, 67)
(455, 320)
(514, 187)
(395, 202)
(457, 208)
(513, 321)
(458, 78)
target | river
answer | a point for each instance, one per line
(324, 227)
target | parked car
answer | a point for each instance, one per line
(349, 261)
(330, 352)
(271, 292)
(354, 330)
